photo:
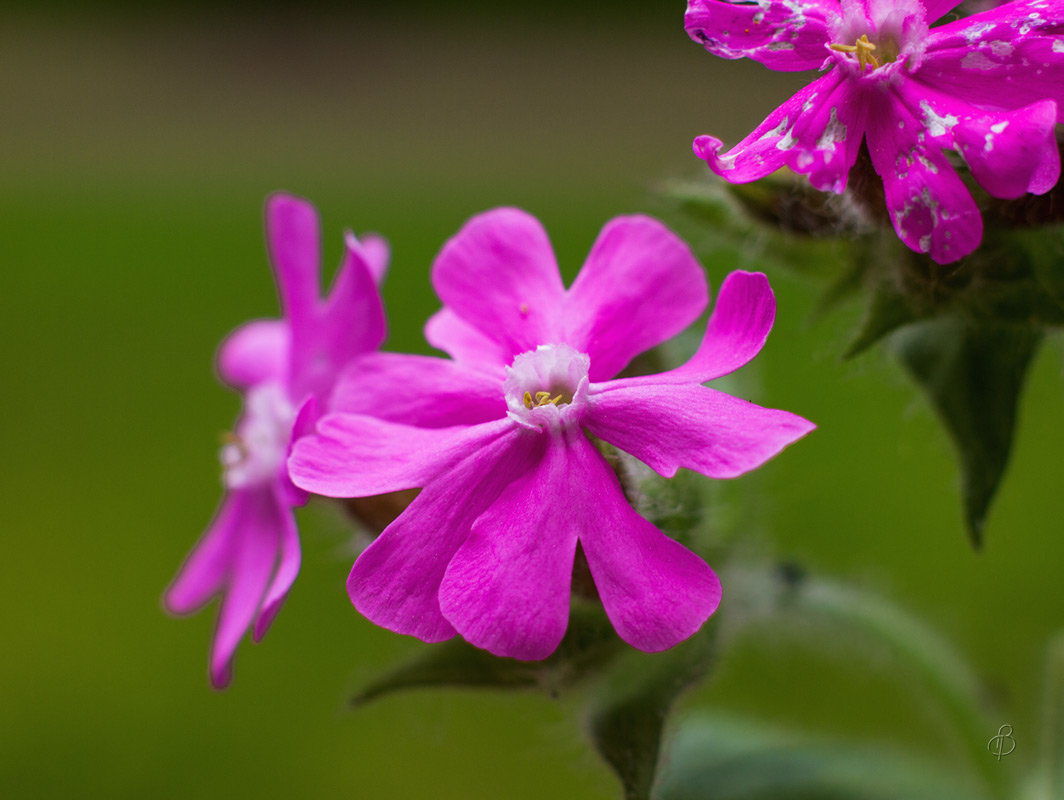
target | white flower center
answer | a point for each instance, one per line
(547, 387)
(870, 38)
(254, 454)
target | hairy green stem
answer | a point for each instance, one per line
(949, 677)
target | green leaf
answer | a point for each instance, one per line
(768, 225)
(589, 644)
(887, 311)
(729, 758)
(452, 663)
(629, 714)
(1045, 253)
(972, 372)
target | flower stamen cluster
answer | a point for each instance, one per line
(542, 399)
(863, 48)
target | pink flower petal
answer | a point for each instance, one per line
(639, 286)
(354, 312)
(787, 133)
(258, 521)
(507, 587)
(934, 9)
(446, 331)
(1009, 57)
(827, 138)
(256, 352)
(738, 327)
(673, 426)
(353, 455)
(293, 239)
(395, 582)
(418, 390)
(306, 418)
(781, 34)
(499, 275)
(204, 571)
(737, 330)
(374, 251)
(655, 591)
(1011, 153)
(288, 564)
(931, 209)
(351, 321)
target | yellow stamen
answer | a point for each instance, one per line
(863, 48)
(542, 399)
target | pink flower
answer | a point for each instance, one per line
(499, 438)
(986, 86)
(250, 552)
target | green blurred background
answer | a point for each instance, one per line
(137, 143)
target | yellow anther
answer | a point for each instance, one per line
(863, 49)
(542, 399)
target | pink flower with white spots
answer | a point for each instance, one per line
(285, 369)
(502, 438)
(988, 87)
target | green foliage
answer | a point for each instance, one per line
(972, 372)
(722, 758)
(629, 714)
(966, 331)
(736, 227)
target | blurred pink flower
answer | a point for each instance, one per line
(285, 368)
(500, 438)
(987, 86)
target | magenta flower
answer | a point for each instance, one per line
(985, 86)
(499, 439)
(250, 552)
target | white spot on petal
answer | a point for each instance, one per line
(937, 125)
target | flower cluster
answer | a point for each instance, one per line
(505, 438)
(988, 87)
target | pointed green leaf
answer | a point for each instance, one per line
(452, 663)
(628, 717)
(972, 372)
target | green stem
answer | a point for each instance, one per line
(953, 682)
(1052, 771)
